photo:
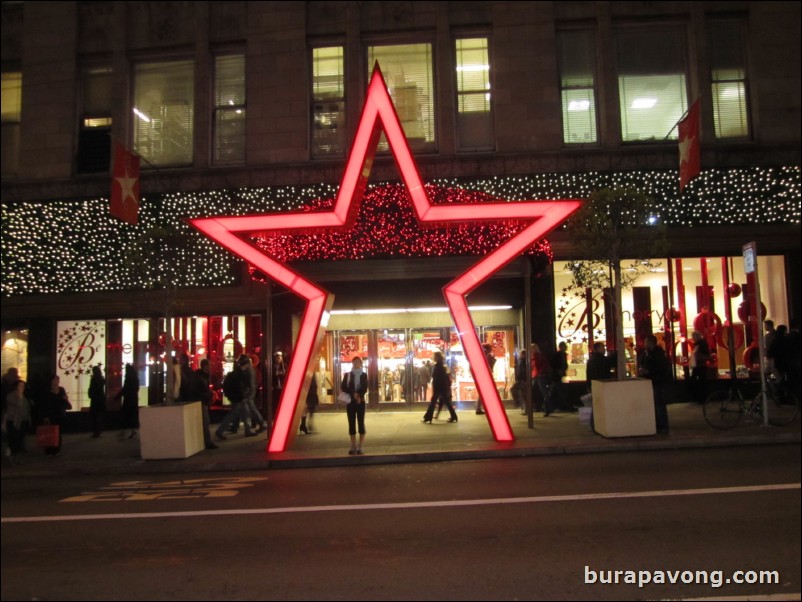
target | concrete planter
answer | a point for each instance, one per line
(623, 408)
(174, 431)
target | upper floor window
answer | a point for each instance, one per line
(652, 90)
(229, 109)
(728, 79)
(474, 116)
(11, 118)
(577, 61)
(408, 72)
(163, 112)
(94, 132)
(328, 102)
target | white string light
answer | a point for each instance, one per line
(75, 246)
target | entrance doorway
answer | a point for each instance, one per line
(399, 364)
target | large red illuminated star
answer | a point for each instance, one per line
(379, 113)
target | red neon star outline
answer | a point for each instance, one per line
(379, 113)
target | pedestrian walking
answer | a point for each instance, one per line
(234, 389)
(130, 398)
(441, 389)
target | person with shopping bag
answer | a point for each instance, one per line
(55, 404)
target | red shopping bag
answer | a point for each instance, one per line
(47, 435)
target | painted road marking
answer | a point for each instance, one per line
(752, 598)
(408, 505)
(141, 491)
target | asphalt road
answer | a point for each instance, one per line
(533, 528)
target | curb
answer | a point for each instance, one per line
(163, 467)
(552, 450)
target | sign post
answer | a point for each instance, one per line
(750, 268)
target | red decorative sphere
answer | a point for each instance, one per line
(751, 358)
(707, 322)
(743, 311)
(733, 289)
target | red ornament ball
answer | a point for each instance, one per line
(707, 322)
(743, 311)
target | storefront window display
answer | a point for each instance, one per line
(80, 345)
(111, 344)
(677, 297)
(221, 340)
(15, 351)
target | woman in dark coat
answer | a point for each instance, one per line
(55, 404)
(97, 400)
(441, 389)
(130, 396)
(355, 384)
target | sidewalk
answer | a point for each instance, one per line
(393, 437)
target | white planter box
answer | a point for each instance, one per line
(174, 431)
(623, 408)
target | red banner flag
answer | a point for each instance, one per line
(689, 150)
(125, 185)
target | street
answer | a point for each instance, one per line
(694, 523)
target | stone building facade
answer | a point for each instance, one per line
(507, 98)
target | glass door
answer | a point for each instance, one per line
(462, 385)
(502, 342)
(424, 345)
(322, 367)
(394, 378)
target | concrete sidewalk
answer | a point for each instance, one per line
(392, 437)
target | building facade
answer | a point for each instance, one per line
(250, 107)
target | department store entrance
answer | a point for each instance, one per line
(399, 364)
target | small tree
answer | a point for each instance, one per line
(155, 259)
(613, 226)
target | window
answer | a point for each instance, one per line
(11, 117)
(651, 84)
(112, 344)
(15, 351)
(645, 309)
(577, 58)
(94, 135)
(229, 109)
(408, 72)
(328, 102)
(728, 79)
(474, 116)
(163, 112)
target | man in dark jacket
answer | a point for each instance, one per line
(598, 365)
(656, 367)
(559, 369)
(201, 391)
(234, 387)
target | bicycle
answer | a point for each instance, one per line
(723, 409)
